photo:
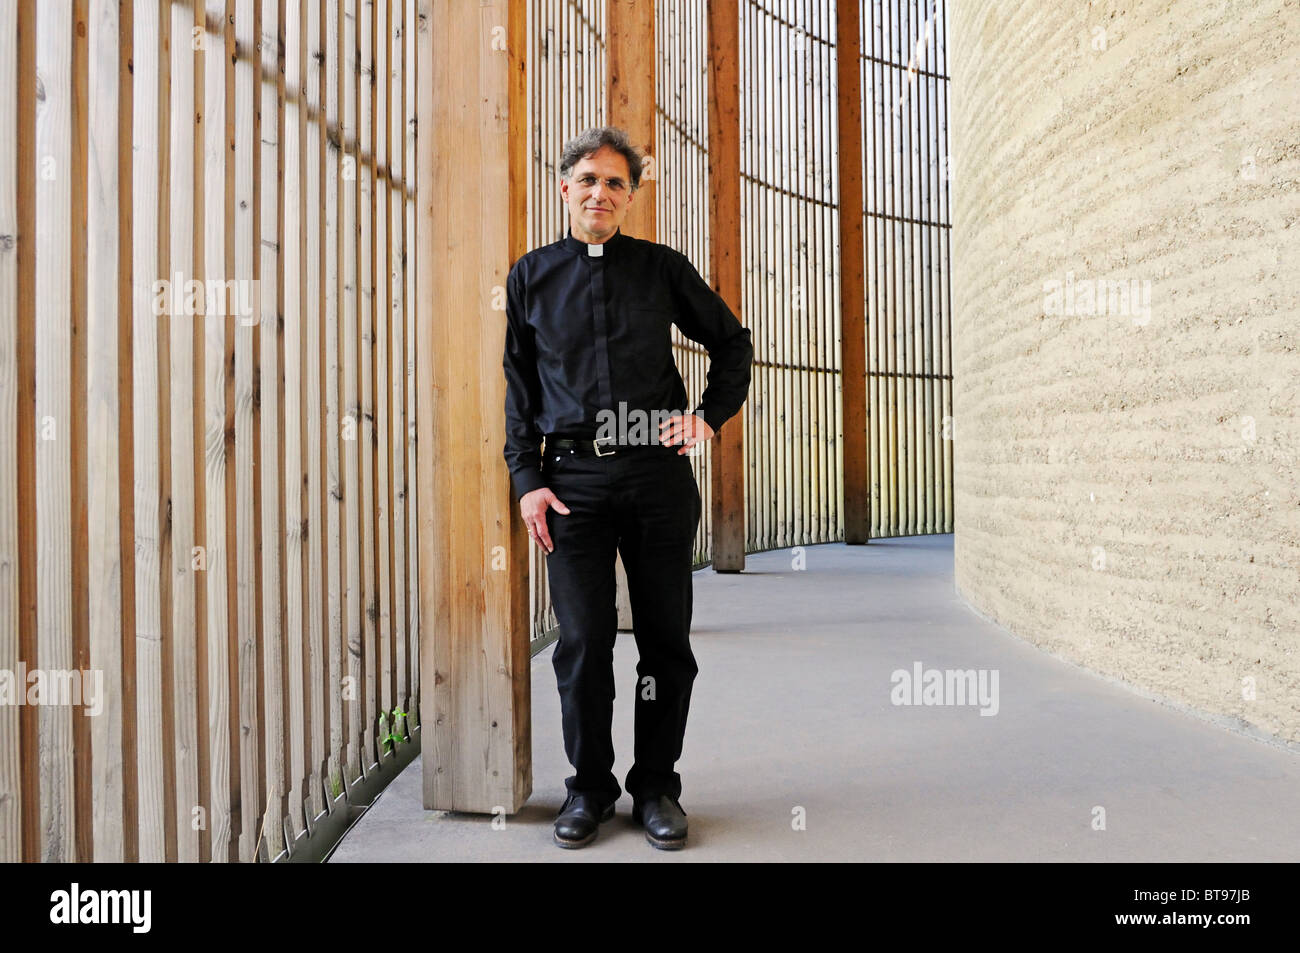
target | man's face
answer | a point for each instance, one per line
(598, 195)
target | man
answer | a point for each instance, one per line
(589, 367)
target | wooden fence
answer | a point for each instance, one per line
(207, 371)
(207, 418)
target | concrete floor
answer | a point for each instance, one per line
(791, 716)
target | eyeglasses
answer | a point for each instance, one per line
(614, 184)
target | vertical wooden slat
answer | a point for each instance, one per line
(269, 387)
(25, 162)
(77, 181)
(911, 443)
(780, 284)
(168, 577)
(295, 623)
(945, 297)
(925, 304)
(224, 40)
(382, 318)
(410, 264)
(333, 477)
(518, 601)
(246, 446)
(196, 325)
(351, 401)
(727, 464)
(313, 419)
(54, 149)
(182, 388)
(366, 303)
(857, 500)
(102, 406)
(124, 330)
(876, 276)
(11, 795)
(397, 357)
(217, 712)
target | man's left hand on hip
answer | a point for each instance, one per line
(685, 429)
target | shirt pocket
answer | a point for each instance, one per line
(645, 353)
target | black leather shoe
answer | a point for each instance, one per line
(663, 819)
(579, 820)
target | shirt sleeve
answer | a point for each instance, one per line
(704, 317)
(523, 393)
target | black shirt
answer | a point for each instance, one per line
(587, 332)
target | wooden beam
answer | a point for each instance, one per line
(857, 489)
(475, 687)
(727, 470)
(630, 81)
(630, 75)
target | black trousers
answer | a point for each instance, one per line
(643, 501)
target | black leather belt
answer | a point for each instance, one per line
(599, 447)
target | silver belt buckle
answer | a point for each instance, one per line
(595, 444)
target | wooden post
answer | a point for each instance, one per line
(857, 491)
(727, 472)
(630, 74)
(475, 695)
(630, 82)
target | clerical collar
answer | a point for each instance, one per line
(611, 245)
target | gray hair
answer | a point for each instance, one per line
(591, 140)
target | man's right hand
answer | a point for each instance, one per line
(533, 506)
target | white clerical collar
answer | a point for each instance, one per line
(611, 247)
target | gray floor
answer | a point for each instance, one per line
(791, 717)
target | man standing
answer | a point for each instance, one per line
(589, 367)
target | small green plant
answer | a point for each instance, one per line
(394, 737)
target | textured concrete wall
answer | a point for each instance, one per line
(1126, 472)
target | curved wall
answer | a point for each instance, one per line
(1126, 453)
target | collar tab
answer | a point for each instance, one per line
(610, 247)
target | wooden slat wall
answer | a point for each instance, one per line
(788, 208)
(909, 367)
(681, 167)
(219, 510)
(215, 518)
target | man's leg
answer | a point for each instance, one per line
(581, 575)
(659, 513)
